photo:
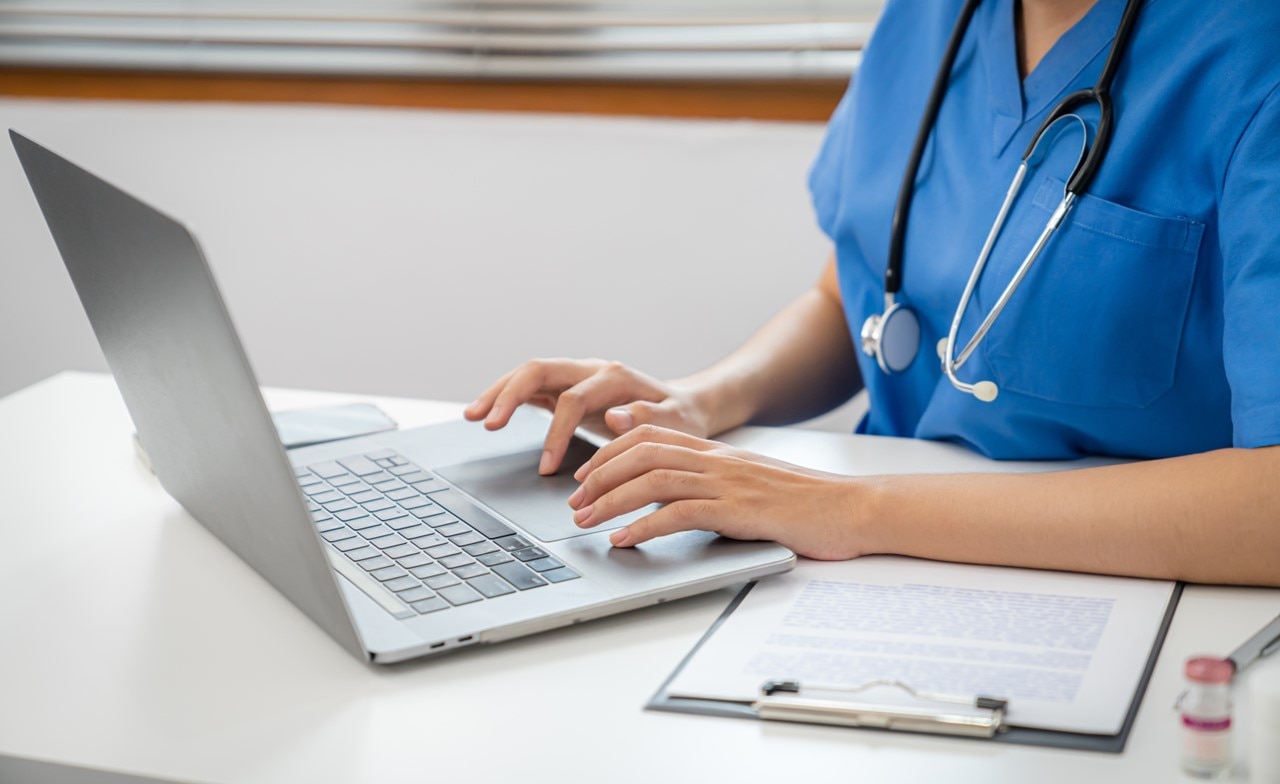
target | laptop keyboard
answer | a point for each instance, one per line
(423, 541)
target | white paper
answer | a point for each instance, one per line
(1066, 650)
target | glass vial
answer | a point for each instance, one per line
(1206, 717)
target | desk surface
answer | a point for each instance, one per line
(135, 642)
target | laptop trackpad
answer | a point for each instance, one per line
(511, 486)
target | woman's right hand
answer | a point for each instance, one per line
(606, 396)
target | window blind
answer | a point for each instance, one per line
(604, 39)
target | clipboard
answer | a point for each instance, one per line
(930, 715)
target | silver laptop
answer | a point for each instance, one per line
(399, 545)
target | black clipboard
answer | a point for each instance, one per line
(1112, 744)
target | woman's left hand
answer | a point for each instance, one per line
(706, 485)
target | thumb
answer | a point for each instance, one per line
(622, 419)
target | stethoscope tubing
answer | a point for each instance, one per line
(1082, 176)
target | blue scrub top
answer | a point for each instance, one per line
(1150, 326)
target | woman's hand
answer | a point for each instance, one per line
(606, 396)
(709, 486)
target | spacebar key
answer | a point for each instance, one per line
(473, 515)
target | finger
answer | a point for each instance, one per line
(479, 407)
(639, 435)
(532, 378)
(634, 463)
(686, 515)
(660, 486)
(574, 404)
(623, 419)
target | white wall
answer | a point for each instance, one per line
(423, 253)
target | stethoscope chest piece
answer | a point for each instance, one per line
(892, 338)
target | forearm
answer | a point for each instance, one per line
(799, 365)
(1212, 517)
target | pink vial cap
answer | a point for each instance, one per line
(1209, 669)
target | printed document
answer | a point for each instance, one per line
(1067, 651)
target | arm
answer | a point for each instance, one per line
(799, 364)
(1212, 517)
(1209, 518)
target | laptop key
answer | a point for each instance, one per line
(519, 576)
(470, 570)
(560, 575)
(494, 558)
(327, 524)
(428, 510)
(373, 564)
(401, 493)
(364, 496)
(374, 531)
(481, 547)
(470, 537)
(339, 534)
(427, 570)
(360, 466)
(491, 585)
(354, 488)
(420, 532)
(529, 554)
(403, 522)
(415, 477)
(385, 542)
(347, 515)
(414, 500)
(388, 573)
(327, 470)
(544, 564)
(327, 497)
(510, 543)
(378, 477)
(382, 454)
(402, 583)
(401, 550)
(398, 460)
(342, 480)
(441, 581)
(430, 605)
(341, 505)
(415, 594)
(387, 515)
(361, 553)
(454, 561)
(459, 594)
(442, 551)
(452, 529)
(377, 504)
(405, 468)
(476, 517)
(347, 545)
(409, 561)
(427, 542)
(316, 489)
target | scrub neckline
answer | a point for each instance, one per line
(1014, 100)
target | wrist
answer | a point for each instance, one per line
(718, 402)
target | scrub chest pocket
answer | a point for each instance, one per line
(1098, 320)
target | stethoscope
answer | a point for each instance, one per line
(893, 337)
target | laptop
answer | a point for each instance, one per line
(399, 545)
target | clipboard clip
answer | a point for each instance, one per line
(947, 714)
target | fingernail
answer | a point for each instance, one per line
(544, 465)
(576, 498)
(623, 419)
(472, 406)
(581, 473)
(581, 515)
(620, 537)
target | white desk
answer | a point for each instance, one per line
(135, 642)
